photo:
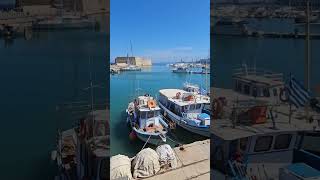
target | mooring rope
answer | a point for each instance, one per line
(146, 142)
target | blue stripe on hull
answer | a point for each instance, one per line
(201, 131)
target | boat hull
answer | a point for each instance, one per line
(196, 130)
(154, 139)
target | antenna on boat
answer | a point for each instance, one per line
(307, 55)
(131, 48)
(245, 68)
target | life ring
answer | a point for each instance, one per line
(178, 95)
(151, 103)
(283, 96)
(217, 106)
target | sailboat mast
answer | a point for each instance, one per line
(307, 55)
(91, 90)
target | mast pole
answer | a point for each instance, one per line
(307, 56)
(91, 93)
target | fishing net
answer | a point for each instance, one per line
(145, 164)
(167, 157)
(120, 167)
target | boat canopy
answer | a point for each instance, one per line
(171, 95)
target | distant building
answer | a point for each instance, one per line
(32, 2)
(138, 61)
(313, 3)
(69, 5)
(301, 3)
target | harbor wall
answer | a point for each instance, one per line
(138, 61)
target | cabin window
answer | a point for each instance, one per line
(283, 141)
(177, 110)
(263, 143)
(150, 114)
(254, 92)
(275, 92)
(243, 143)
(171, 107)
(246, 89)
(311, 143)
(198, 106)
(156, 113)
(143, 115)
(238, 86)
(192, 106)
(184, 109)
(266, 92)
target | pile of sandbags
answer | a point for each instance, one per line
(145, 164)
(120, 167)
(167, 157)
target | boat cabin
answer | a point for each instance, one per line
(147, 114)
(258, 83)
(266, 146)
(191, 88)
(180, 101)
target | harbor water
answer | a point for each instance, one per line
(125, 87)
(38, 76)
(274, 54)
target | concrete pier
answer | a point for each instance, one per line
(193, 163)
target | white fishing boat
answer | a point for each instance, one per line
(131, 68)
(180, 69)
(65, 22)
(144, 117)
(186, 110)
(258, 135)
(192, 88)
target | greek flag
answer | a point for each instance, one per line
(298, 95)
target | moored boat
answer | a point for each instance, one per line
(186, 110)
(144, 117)
(258, 135)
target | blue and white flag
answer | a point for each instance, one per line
(298, 95)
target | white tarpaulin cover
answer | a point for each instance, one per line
(146, 163)
(120, 167)
(166, 156)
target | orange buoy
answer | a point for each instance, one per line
(132, 136)
(151, 103)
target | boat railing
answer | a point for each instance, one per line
(258, 72)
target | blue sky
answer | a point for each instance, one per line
(163, 30)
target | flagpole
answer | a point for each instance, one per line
(290, 104)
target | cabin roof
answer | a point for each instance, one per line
(258, 80)
(232, 95)
(144, 107)
(223, 127)
(171, 94)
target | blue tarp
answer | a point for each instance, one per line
(203, 116)
(303, 170)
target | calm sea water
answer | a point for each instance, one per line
(37, 76)
(123, 90)
(280, 55)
